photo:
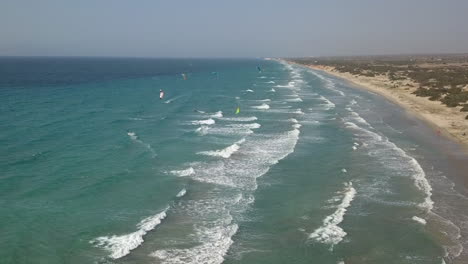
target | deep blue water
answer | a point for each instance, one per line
(95, 168)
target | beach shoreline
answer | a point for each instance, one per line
(446, 121)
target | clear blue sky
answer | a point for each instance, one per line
(237, 28)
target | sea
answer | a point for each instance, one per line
(96, 168)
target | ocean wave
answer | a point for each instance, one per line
(218, 114)
(406, 163)
(328, 83)
(262, 107)
(249, 90)
(246, 126)
(214, 246)
(256, 157)
(203, 130)
(294, 100)
(226, 152)
(181, 193)
(240, 119)
(298, 111)
(328, 104)
(270, 82)
(203, 122)
(272, 90)
(183, 173)
(419, 220)
(120, 246)
(330, 233)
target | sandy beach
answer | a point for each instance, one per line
(445, 120)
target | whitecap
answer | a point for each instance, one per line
(294, 100)
(420, 220)
(204, 122)
(240, 119)
(262, 107)
(249, 90)
(409, 163)
(330, 233)
(226, 152)
(120, 246)
(181, 193)
(183, 173)
(218, 114)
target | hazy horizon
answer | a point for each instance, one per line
(211, 29)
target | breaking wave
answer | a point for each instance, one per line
(120, 246)
(262, 107)
(226, 152)
(330, 233)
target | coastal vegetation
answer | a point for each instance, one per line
(441, 78)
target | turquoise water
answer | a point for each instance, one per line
(95, 168)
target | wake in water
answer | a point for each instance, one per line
(133, 136)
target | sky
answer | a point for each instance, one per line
(237, 28)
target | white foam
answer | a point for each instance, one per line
(298, 111)
(249, 90)
(272, 90)
(226, 152)
(328, 104)
(183, 173)
(181, 193)
(330, 233)
(344, 170)
(262, 107)
(246, 126)
(406, 162)
(203, 130)
(256, 157)
(294, 120)
(262, 77)
(204, 122)
(120, 246)
(214, 245)
(240, 119)
(270, 82)
(294, 100)
(132, 135)
(297, 126)
(419, 220)
(264, 100)
(218, 114)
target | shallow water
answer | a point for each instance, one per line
(95, 168)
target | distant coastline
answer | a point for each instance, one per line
(449, 121)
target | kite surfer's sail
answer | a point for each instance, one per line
(259, 69)
(237, 110)
(161, 94)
